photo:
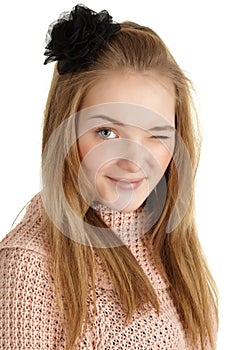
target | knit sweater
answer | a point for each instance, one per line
(29, 314)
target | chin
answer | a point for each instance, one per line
(122, 202)
(131, 208)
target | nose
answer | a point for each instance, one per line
(128, 165)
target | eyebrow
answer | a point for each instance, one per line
(155, 128)
(107, 118)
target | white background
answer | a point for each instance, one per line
(199, 35)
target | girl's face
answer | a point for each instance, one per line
(126, 131)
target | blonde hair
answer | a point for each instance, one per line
(178, 254)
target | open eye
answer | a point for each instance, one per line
(105, 133)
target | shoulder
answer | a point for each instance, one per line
(29, 314)
(29, 234)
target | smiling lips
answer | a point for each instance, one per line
(127, 184)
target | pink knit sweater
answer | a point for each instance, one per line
(29, 316)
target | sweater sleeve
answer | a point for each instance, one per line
(29, 317)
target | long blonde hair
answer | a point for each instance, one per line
(178, 254)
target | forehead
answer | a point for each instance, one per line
(147, 89)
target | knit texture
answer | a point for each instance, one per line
(29, 315)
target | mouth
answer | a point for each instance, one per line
(126, 184)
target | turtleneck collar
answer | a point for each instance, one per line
(133, 229)
(128, 226)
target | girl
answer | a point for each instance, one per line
(107, 255)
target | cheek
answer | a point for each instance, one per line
(84, 146)
(91, 157)
(166, 157)
(162, 156)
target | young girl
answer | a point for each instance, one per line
(107, 255)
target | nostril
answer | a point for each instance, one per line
(128, 165)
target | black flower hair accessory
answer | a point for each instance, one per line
(75, 39)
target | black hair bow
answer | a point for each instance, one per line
(75, 39)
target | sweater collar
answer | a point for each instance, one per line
(128, 226)
(134, 230)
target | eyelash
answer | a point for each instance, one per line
(101, 129)
(161, 137)
(108, 129)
